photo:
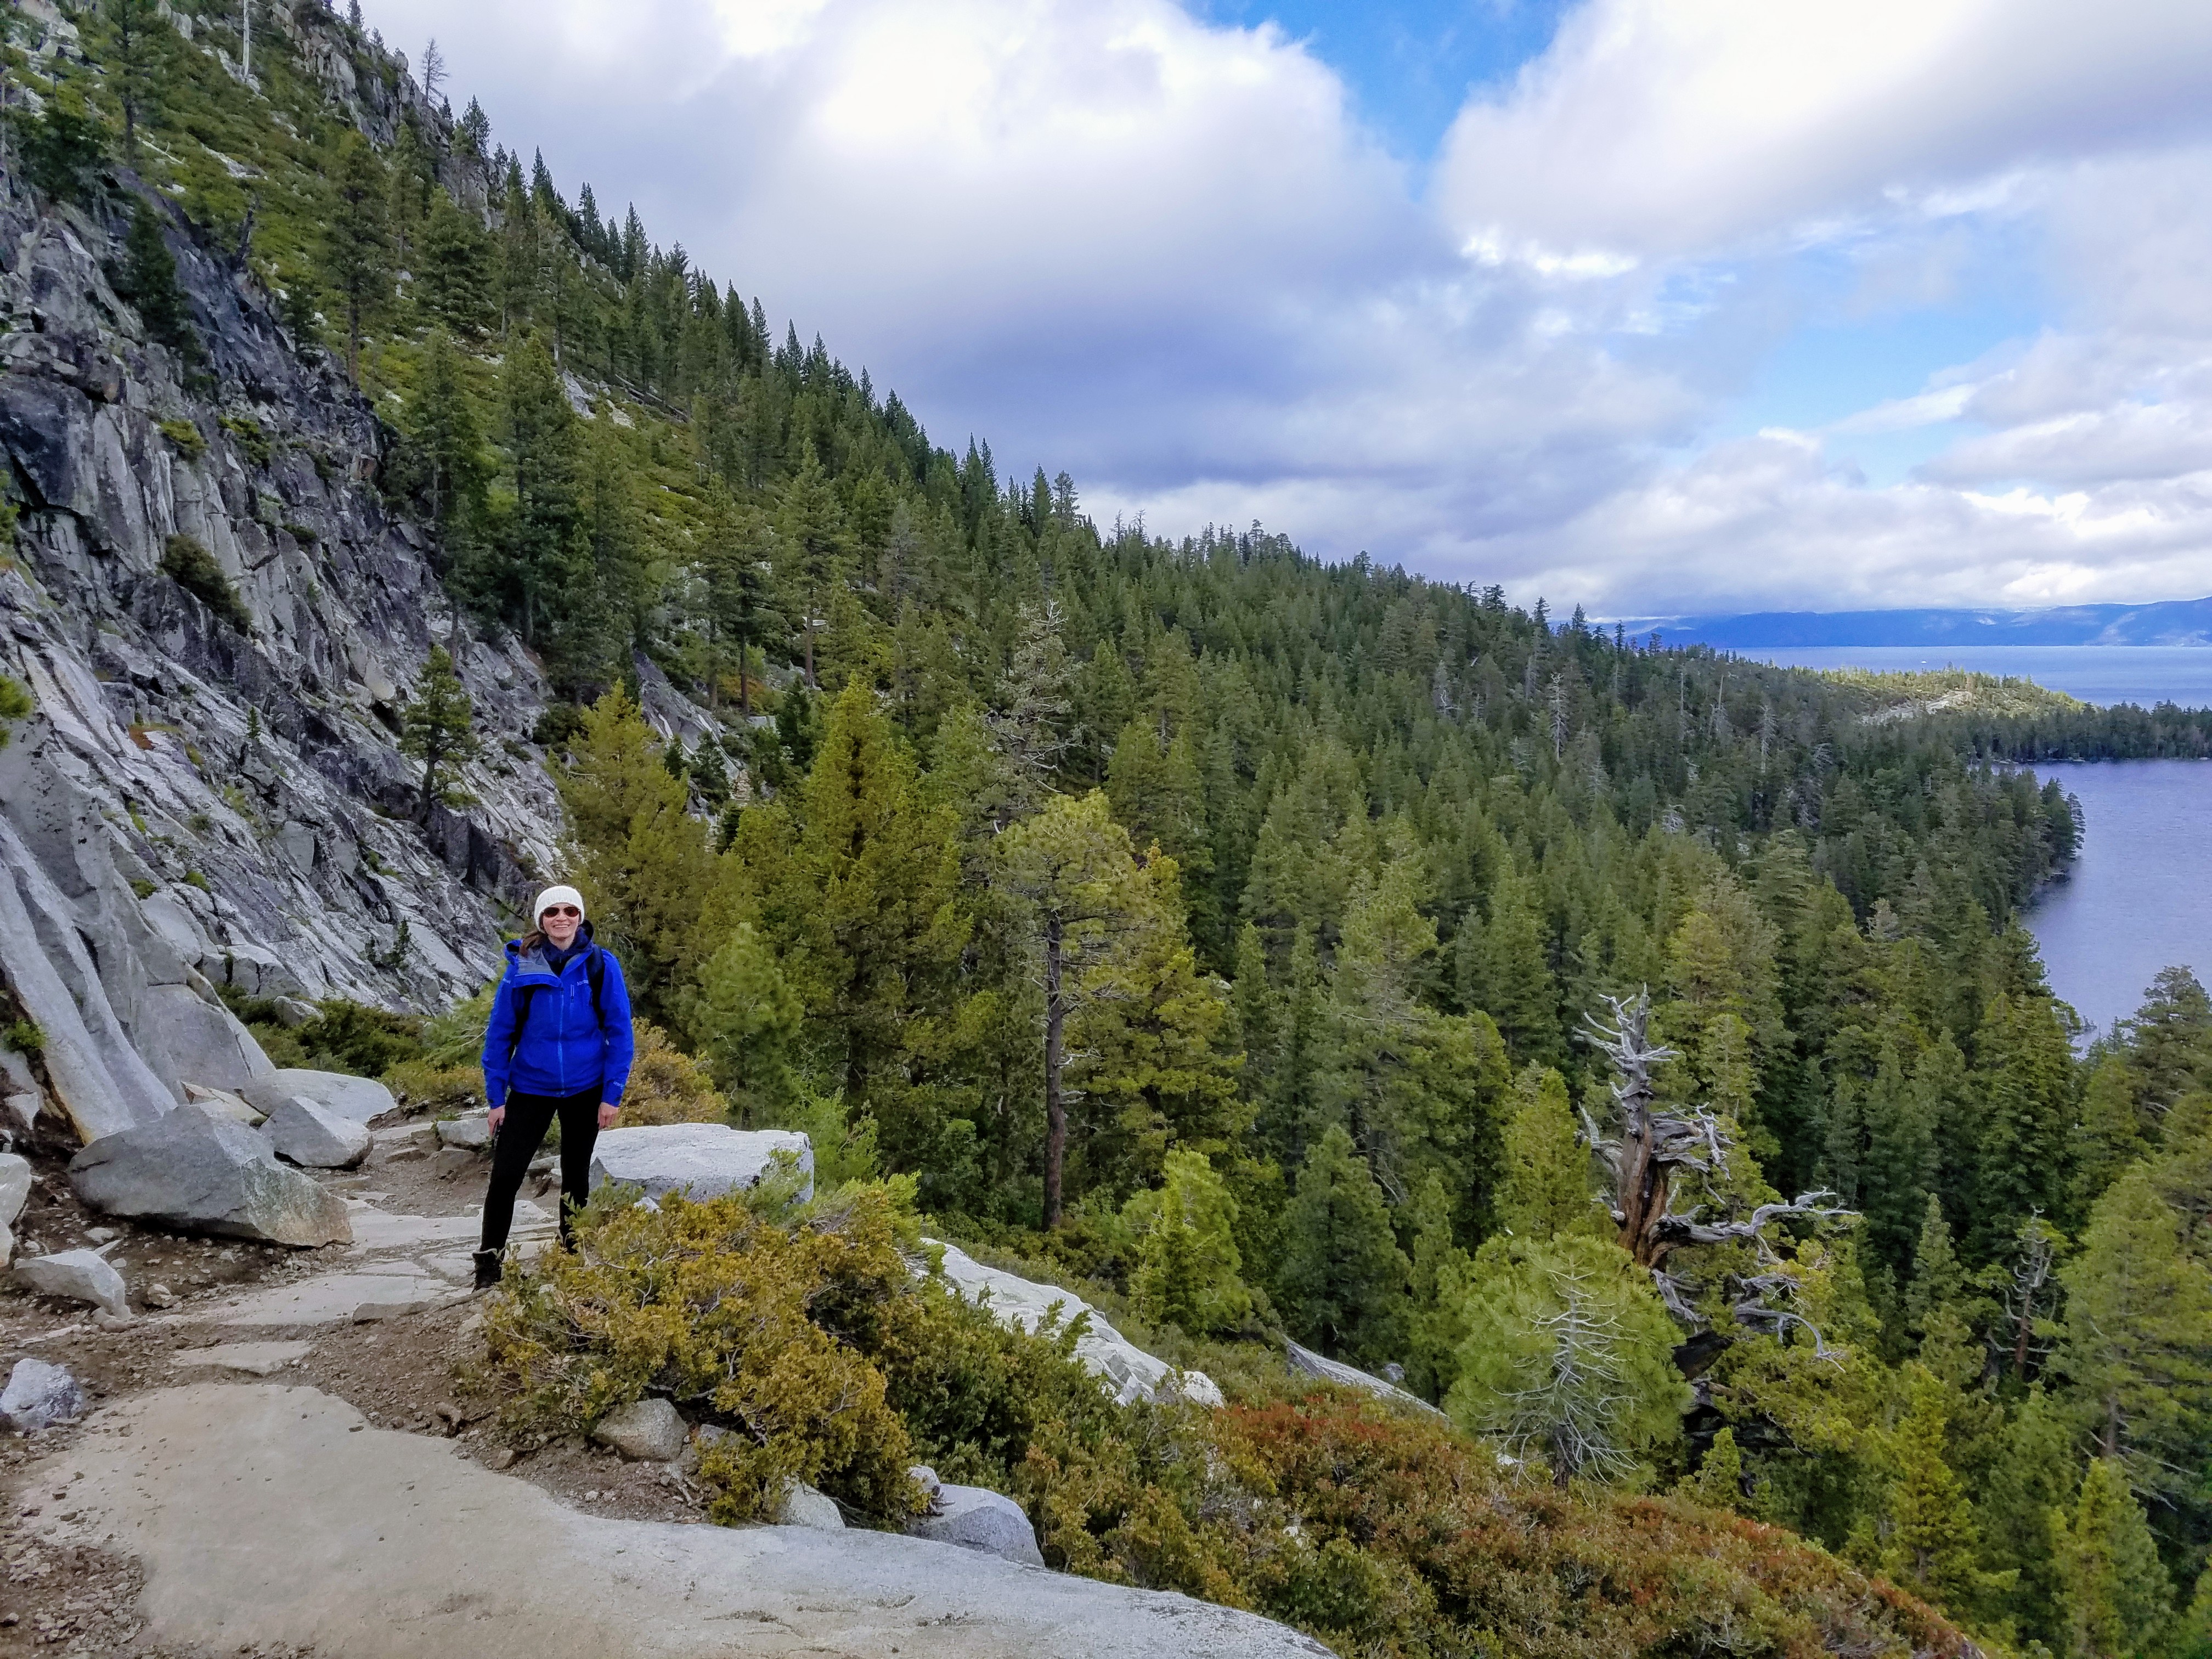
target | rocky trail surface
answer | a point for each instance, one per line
(277, 1464)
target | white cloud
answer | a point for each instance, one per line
(1678, 126)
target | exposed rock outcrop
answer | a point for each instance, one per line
(704, 1160)
(193, 807)
(1125, 1369)
(207, 1175)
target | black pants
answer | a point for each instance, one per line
(527, 1119)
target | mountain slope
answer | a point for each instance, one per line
(2169, 622)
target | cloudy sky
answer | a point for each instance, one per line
(1649, 305)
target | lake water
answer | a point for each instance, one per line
(2142, 674)
(2140, 897)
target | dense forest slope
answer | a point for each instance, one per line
(1218, 926)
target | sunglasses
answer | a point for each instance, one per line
(562, 910)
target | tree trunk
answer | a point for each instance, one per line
(1055, 1109)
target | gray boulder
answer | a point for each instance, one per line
(79, 1275)
(7, 1244)
(804, 1506)
(470, 1129)
(38, 1394)
(15, 1187)
(1127, 1371)
(359, 1099)
(207, 1175)
(975, 1518)
(221, 1103)
(705, 1160)
(312, 1136)
(646, 1430)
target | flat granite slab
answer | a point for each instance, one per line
(269, 1517)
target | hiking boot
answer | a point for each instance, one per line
(487, 1269)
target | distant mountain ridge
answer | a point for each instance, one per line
(2170, 621)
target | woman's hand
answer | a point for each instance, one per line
(608, 1113)
(496, 1116)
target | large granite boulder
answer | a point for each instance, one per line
(646, 1430)
(15, 1187)
(77, 1276)
(207, 1175)
(358, 1098)
(704, 1160)
(304, 1132)
(39, 1394)
(1127, 1370)
(975, 1518)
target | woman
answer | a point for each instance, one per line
(558, 1046)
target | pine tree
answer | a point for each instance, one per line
(1933, 1547)
(2118, 1596)
(438, 727)
(451, 281)
(1152, 1045)
(1938, 1280)
(137, 41)
(1569, 1358)
(1070, 871)
(748, 1019)
(858, 879)
(738, 601)
(812, 542)
(2169, 1043)
(2026, 1079)
(1545, 1188)
(1504, 971)
(2035, 1471)
(443, 428)
(1188, 1271)
(1343, 1278)
(657, 896)
(147, 279)
(2110, 1135)
(1438, 1289)
(2137, 1348)
(1718, 1482)
(544, 565)
(356, 246)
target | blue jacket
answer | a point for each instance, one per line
(564, 1050)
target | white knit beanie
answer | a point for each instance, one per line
(553, 896)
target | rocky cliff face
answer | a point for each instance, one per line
(193, 804)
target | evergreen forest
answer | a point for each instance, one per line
(1633, 1051)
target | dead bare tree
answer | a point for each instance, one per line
(1653, 1151)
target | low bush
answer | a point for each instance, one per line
(667, 1086)
(420, 1085)
(193, 568)
(803, 1332)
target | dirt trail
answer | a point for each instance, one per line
(278, 1468)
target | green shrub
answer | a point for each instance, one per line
(185, 437)
(352, 1037)
(748, 1322)
(804, 1333)
(251, 438)
(25, 1037)
(422, 1086)
(557, 724)
(189, 563)
(61, 147)
(667, 1086)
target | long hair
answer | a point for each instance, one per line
(532, 940)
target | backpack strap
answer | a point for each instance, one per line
(595, 970)
(522, 995)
